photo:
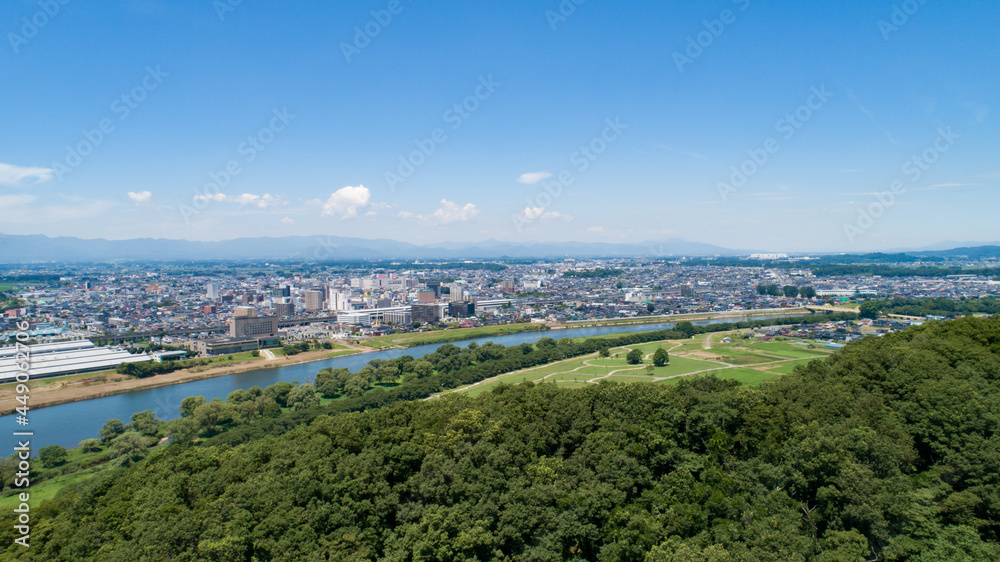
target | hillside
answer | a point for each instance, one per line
(887, 450)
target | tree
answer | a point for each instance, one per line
(211, 415)
(791, 291)
(807, 292)
(279, 391)
(650, 308)
(686, 327)
(302, 396)
(190, 404)
(603, 352)
(660, 357)
(145, 422)
(634, 357)
(183, 430)
(90, 445)
(128, 449)
(869, 309)
(111, 429)
(52, 456)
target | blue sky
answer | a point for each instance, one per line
(538, 121)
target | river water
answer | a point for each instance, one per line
(68, 424)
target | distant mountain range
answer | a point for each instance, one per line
(39, 248)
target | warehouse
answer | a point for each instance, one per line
(65, 358)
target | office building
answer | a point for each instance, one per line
(427, 312)
(425, 296)
(254, 327)
(284, 307)
(212, 291)
(313, 300)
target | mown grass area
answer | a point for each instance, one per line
(410, 339)
(787, 368)
(746, 377)
(6, 287)
(788, 350)
(48, 489)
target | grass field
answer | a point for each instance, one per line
(729, 360)
(6, 287)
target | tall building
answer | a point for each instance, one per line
(436, 287)
(425, 296)
(508, 286)
(280, 292)
(338, 302)
(456, 292)
(284, 307)
(313, 300)
(212, 291)
(261, 326)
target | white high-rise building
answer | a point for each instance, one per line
(212, 291)
(338, 302)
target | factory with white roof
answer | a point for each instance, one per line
(65, 358)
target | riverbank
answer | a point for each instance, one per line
(75, 388)
(669, 318)
(413, 339)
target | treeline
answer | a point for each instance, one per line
(595, 273)
(886, 451)
(790, 291)
(940, 306)
(895, 271)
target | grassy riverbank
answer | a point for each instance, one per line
(411, 339)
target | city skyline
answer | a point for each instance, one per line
(865, 128)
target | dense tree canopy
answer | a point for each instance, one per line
(888, 450)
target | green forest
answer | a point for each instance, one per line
(887, 450)
(939, 306)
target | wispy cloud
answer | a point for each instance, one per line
(243, 200)
(539, 213)
(20, 176)
(533, 177)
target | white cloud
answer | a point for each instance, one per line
(16, 175)
(596, 229)
(141, 198)
(7, 201)
(451, 212)
(287, 220)
(448, 213)
(532, 213)
(244, 200)
(346, 201)
(533, 177)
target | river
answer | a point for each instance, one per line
(68, 424)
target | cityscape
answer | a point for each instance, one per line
(526, 281)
